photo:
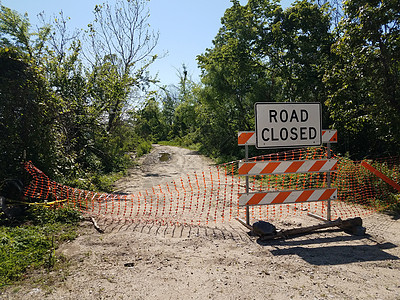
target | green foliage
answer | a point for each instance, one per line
(143, 148)
(15, 33)
(26, 115)
(32, 244)
(67, 113)
(149, 123)
(261, 53)
(72, 112)
(364, 83)
(39, 215)
(181, 112)
(389, 197)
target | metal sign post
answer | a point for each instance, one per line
(328, 179)
(246, 149)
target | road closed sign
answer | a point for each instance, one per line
(287, 124)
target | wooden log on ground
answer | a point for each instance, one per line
(349, 225)
(243, 222)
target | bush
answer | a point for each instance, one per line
(143, 148)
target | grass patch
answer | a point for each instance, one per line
(31, 243)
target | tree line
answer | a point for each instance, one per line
(79, 103)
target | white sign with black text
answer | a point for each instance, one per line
(288, 124)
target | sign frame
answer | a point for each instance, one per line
(300, 112)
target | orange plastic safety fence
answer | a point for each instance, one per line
(212, 195)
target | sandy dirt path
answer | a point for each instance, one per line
(220, 261)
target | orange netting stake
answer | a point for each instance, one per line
(191, 193)
(184, 195)
(92, 201)
(198, 191)
(74, 200)
(170, 202)
(145, 202)
(273, 210)
(209, 202)
(132, 198)
(224, 196)
(217, 193)
(118, 198)
(138, 207)
(158, 200)
(151, 202)
(204, 195)
(164, 202)
(80, 203)
(177, 198)
(86, 200)
(68, 195)
(125, 202)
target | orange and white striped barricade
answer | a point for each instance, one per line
(285, 197)
(246, 168)
(329, 136)
(246, 138)
(286, 167)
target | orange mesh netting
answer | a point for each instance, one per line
(211, 195)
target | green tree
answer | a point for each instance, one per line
(76, 123)
(26, 115)
(234, 75)
(27, 106)
(121, 49)
(170, 101)
(364, 83)
(15, 33)
(149, 122)
(299, 51)
(261, 53)
(184, 126)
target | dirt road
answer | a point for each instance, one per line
(138, 261)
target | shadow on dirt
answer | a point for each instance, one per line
(151, 227)
(352, 249)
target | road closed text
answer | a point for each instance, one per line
(293, 133)
(287, 124)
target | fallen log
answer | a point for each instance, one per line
(243, 222)
(353, 226)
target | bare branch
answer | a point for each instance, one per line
(122, 31)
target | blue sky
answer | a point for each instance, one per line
(186, 27)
